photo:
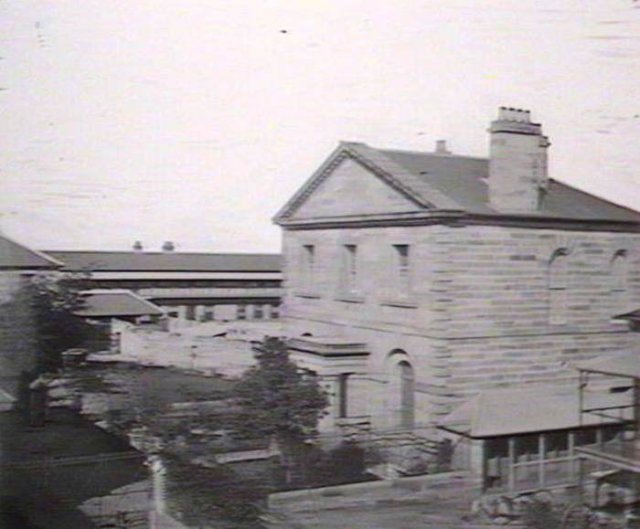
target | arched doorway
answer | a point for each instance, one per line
(401, 396)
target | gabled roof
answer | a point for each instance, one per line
(114, 303)
(103, 261)
(446, 182)
(15, 256)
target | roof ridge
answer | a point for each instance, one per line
(433, 153)
(159, 252)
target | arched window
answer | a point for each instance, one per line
(558, 287)
(618, 277)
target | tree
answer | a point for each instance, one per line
(54, 300)
(280, 402)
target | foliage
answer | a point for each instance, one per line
(54, 300)
(277, 399)
(538, 514)
(213, 497)
(346, 463)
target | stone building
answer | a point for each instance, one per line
(18, 264)
(189, 286)
(417, 284)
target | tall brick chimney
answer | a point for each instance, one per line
(517, 162)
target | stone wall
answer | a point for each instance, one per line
(220, 355)
(476, 311)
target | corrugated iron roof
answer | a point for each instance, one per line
(113, 303)
(15, 256)
(167, 261)
(518, 411)
(624, 364)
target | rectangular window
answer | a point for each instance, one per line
(350, 269)
(343, 395)
(241, 312)
(275, 312)
(558, 291)
(402, 267)
(258, 312)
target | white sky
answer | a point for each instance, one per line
(194, 121)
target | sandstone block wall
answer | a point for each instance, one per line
(477, 312)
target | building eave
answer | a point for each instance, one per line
(379, 220)
(458, 218)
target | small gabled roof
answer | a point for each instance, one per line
(15, 256)
(633, 316)
(447, 182)
(106, 261)
(114, 303)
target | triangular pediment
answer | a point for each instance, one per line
(346, 186)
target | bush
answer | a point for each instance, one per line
(539, 514)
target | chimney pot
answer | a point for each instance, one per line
(441, 147)
(514, 114)
(137, 246)
(168, 246)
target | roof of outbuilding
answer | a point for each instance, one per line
(167, 261)
(625, 364)
(15, 256)
(513, 411)
(460, 183)
(113, 303)
(83, 460)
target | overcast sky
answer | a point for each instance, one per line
(195, 120)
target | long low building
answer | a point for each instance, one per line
(189, 286)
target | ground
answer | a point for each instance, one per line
(405, 515)
(443, 504)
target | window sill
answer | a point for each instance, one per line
(353, 420)
(349, 297)
(405, 303)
